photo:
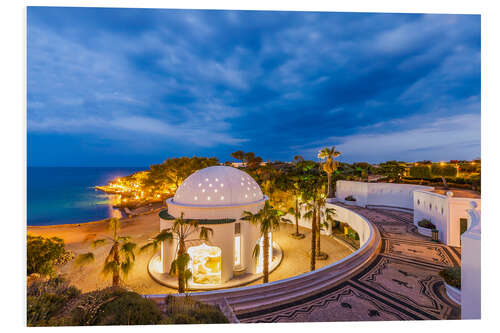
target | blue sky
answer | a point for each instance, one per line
(132, 87)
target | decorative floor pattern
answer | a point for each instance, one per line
(402, 283)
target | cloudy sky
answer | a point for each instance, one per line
(132, 87)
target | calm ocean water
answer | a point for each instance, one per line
(66, 195)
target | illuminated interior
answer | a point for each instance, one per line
(205, 264)
(237, 250)
(260, 261)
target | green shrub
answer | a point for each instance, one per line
(426, 224)
(350, 198)
(115, 306)
(452, 276)
(40, 309)
(352, 234)
(420, 171)
(57, 285)
(185, 310)
(128, 308)
(444, 171)
(43, 253)
(46, 299)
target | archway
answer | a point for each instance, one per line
(205, 264)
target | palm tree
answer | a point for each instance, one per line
(311, 215)
(330, 165)
(120, 258)
(180, 230)
(267, 218)
(327, 214)
(295, 211)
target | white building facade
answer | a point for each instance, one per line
(446, 212)
(216, 197)
(471, 265)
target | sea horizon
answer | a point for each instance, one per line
(66, 195)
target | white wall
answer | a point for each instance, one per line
(443, 211)
(355, 221)
(223, 237)
(378, 194)
(344, 215)
(471, 266)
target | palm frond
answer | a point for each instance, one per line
(183, 260)
(84, 259)
(164, 235)
(124, 238)
(206, 232)
(126, 267)
(110, 268)
(111, 253)
(98, 242)
(187, 275)
(151, 246)
(127, 249)
(173, 267)
(256, 251)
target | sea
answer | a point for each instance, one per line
(66, 195)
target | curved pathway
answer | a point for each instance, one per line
(402, 283)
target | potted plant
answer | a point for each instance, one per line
(452, 281)
(425, 227)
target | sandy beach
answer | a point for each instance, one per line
(141, 228)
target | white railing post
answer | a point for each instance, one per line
(471, 265)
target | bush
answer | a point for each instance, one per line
(421, 172)
(185, 310)
(115, 306)
(350, 198)
(43, 254)
(352, 234)
(57, 285)
(452, 276)
(128, 308)
(46, 299)
(426, 224)
(444, 171)
(40, 309)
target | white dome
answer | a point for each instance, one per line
(218, 186)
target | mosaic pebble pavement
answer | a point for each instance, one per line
(401, 283)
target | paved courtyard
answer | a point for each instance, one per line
(141, 228)
(402, 283)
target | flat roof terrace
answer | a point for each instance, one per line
(459, 193)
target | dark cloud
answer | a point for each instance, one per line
(182, 82)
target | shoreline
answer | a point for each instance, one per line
(154, 207)
(141, 229)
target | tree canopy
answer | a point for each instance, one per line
(392, 169)
(43, 254)
(174, 170)
(422, 172)
(443, 170)
(250, 159)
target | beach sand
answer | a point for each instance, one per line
(141, 228)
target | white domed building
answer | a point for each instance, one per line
(216, 197)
